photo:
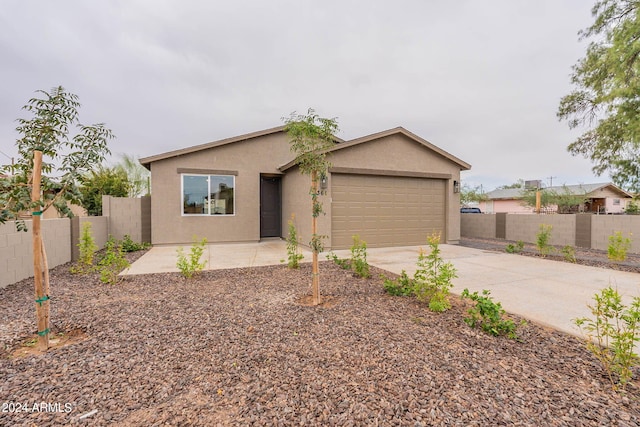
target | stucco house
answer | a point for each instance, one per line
(393, 188)
(601, 198)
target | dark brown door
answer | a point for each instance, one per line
(270, 207)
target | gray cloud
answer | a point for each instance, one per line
(479, 79)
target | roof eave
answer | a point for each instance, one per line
(146, 161)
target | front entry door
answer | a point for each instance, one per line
(270, 207)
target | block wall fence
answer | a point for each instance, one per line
(580, 230)
(61, 236)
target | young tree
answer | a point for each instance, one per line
(310, 136)
(567, 200)
(30, 186)
(605, 98)
(103, 181)
(529, 197)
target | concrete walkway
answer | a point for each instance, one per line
(551, 293)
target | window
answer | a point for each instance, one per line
(616, 202)
(208, 194)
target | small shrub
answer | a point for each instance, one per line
(542, 240)
(343, 263)
(359, 257)
(190, 265)
(113, 262)
(128, 245)
(402, 286)
(515, 249)
(618, 247)
(569, 253)
(432, 279)
(293, 253)
(488, 315)
(87, 247)
(358, 261)
(611, 336)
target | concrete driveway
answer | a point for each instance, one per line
(551, 293)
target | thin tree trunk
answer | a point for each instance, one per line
(46, 305)
(40, 296)
(315, 284)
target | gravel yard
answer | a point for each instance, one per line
(236, 347)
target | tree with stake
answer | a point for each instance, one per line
(35, 185)
(310, 137)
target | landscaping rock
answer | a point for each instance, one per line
(235, 347)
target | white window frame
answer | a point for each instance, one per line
(208, 176)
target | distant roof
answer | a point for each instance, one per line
(579, 189)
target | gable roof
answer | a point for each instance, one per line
(397, 130)
(579, 189)
(146, 161)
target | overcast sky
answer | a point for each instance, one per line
(480, 79)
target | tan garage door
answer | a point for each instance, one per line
(386, 211)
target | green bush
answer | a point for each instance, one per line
(569, 253)
(190, 265)
(515, 249)
(402, 286)
(113, 262)
(343, 263)
(488, 315)
(87, 247)
(293, 254)
(618, 247)
(359, 257)
(431, 282)
(543, 238)
(611, 336)
(128, 245)
(358, 261)
(432, 279)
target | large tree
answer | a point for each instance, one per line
(46, 174)
(606, 95)
(310, 136)
(103, 181)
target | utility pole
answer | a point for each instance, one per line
(550, 178)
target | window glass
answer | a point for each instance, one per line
(208, 195)
(221, 188)
(194, 194)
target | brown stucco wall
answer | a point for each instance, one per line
(264, 154)
(400, 153)
(249, 158)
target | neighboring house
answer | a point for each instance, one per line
(392, 188)
(601, 198)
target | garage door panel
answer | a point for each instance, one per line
(386, 211)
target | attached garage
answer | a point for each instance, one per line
(386, 210)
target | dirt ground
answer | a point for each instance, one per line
(236, 347)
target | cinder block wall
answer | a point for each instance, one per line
(603, 226)
(475, 225)
(16, 248)
(61, 236)
(526, 227)
(130, 216)
(125, 217)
